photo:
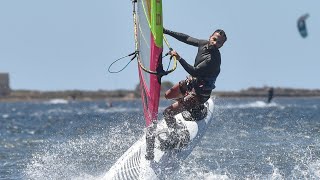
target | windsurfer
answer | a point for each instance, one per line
(270, 95)
(192, 93)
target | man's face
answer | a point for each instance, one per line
(216, 40)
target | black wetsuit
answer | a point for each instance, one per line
(207, 63)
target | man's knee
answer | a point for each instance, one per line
(173, 92)
(167, 94)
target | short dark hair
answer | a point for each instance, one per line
(222, 33)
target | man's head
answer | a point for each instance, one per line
(218, 38)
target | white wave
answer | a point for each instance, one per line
(5, 116)
(256, 104)
(117, 110)
(57, 101)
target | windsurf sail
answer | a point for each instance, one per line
(149, 45)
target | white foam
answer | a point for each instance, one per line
(315, 168)
(212, 176)
(255, 104)
(70, 159)
(58, 101)
(5, 116)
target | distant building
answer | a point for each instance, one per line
(4, 84)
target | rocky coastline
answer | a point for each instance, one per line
(33, 95)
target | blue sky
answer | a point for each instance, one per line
(69, 44)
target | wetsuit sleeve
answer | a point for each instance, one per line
(183, 37)
(202, 69)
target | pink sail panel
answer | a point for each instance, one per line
(150, 86)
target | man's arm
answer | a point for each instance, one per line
(202, 69)
(182, 37)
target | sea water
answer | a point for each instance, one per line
(247, 139)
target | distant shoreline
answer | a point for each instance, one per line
(32, 95)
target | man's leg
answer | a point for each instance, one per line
(198, 111)
(177, 91)
(150, 139)
(171, 111)
(173, 92)
(188, 102)
(175, 139)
